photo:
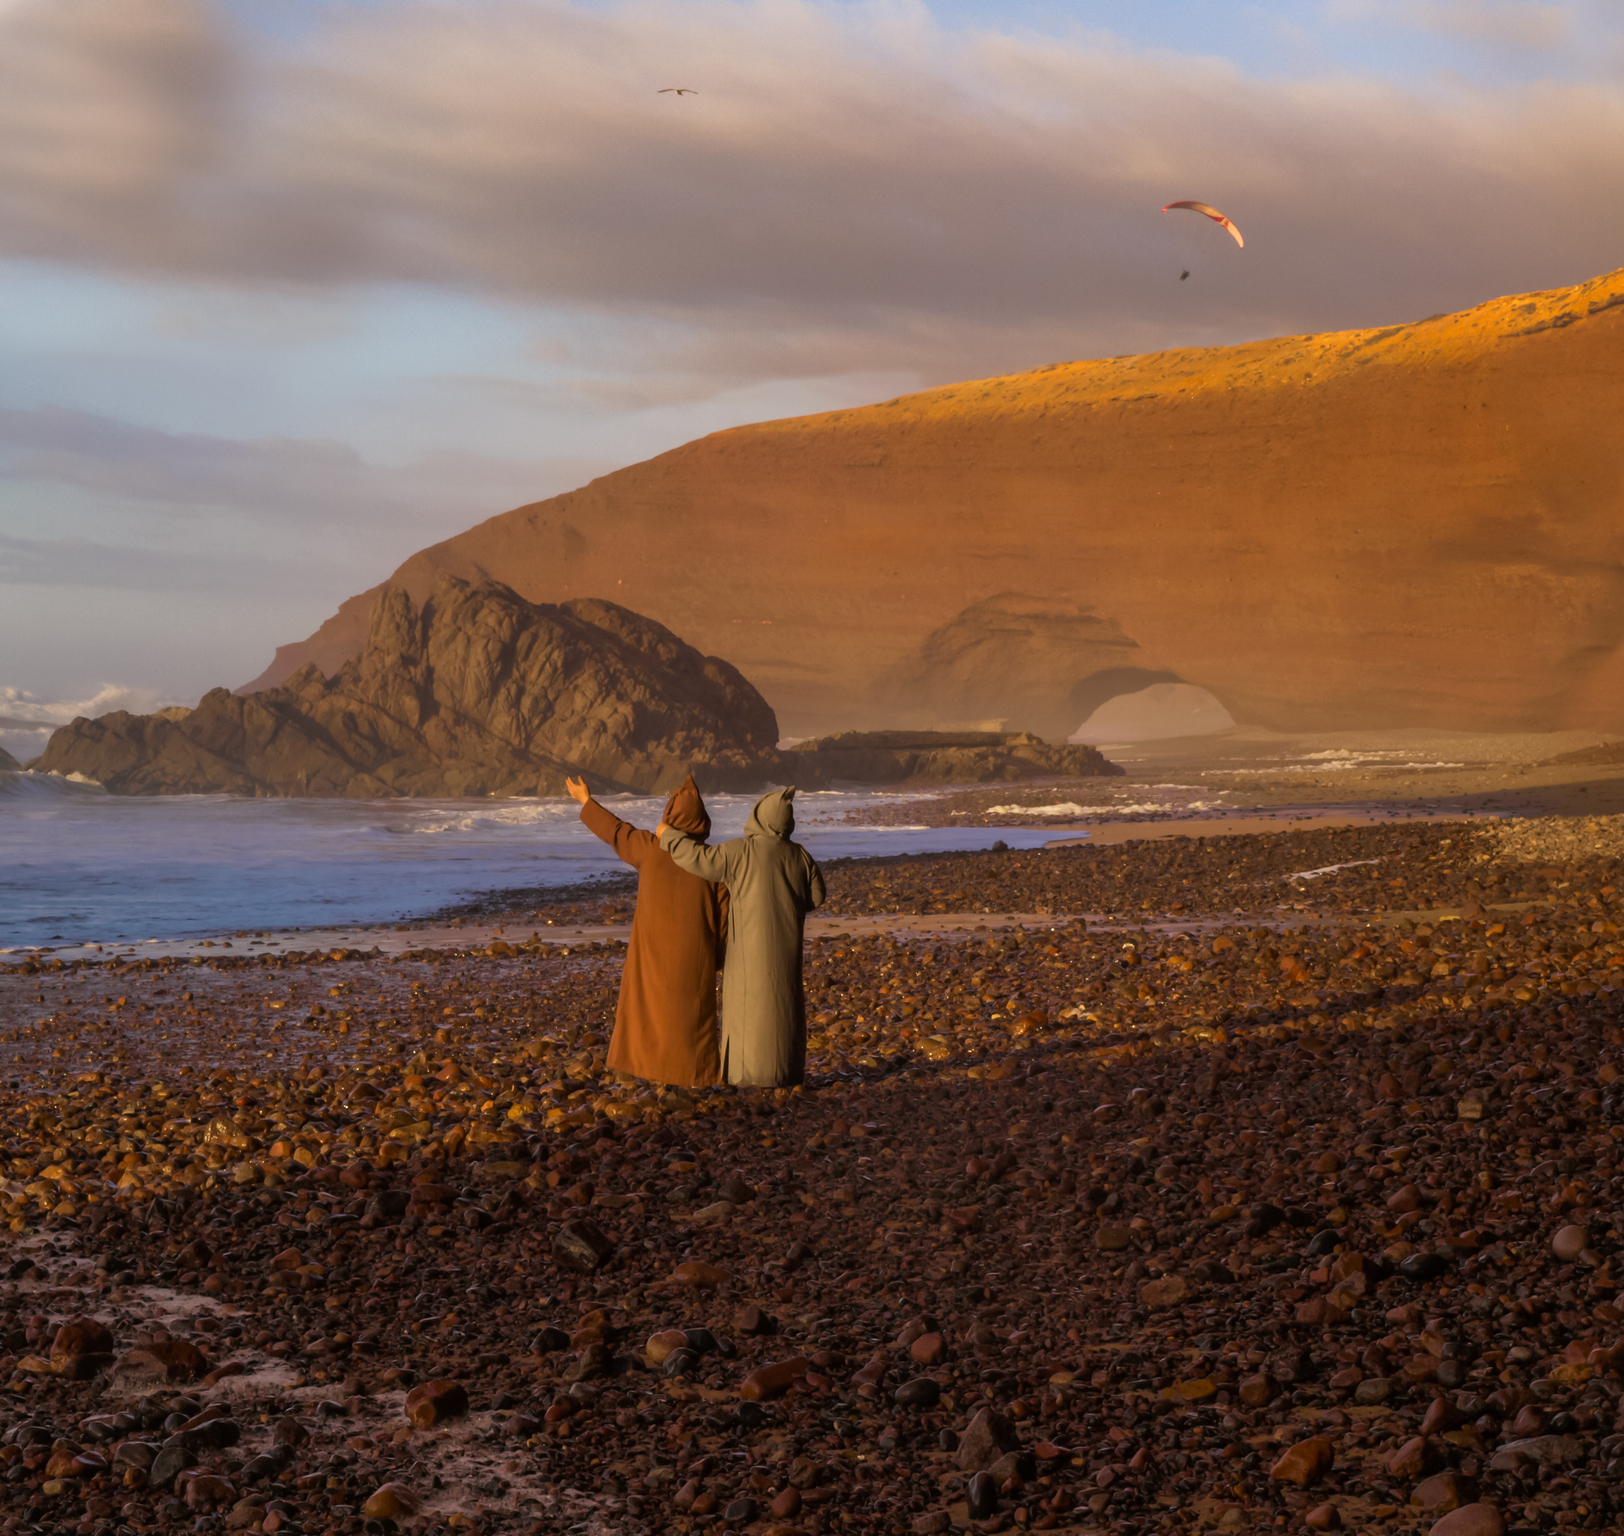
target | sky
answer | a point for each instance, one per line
(291, 288)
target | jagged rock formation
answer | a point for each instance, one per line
(8, 763)
(475, 693)
(1327, 532)
(944, 757)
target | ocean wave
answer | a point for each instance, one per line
(1132, 808)
(438, 819)
(80, 863)
(25, 784)
(1334, 763)
(433, 821)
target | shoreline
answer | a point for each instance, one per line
(588, 917)
(1237, 783)
(580, 902)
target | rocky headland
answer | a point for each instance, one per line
(473, 691)
(1327, 532)
(7, 762)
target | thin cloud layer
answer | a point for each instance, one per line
(19, 707)
(286, 482)
(1521, 24)
(869, 188)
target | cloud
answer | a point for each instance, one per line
(27, 720)
(109, 114)
(1515, 24)
(153, 566)
(19, 707)
(855, 187)
(287, 484)
(181, 470)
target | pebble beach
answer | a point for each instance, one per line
(1262, 1182)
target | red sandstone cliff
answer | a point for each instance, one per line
(1417, 525)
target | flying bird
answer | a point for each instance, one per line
(1184, 274)
(680, 90)
(1212, 213)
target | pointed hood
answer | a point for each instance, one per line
(772, 815)
(686, 812)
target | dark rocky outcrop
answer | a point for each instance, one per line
(8, 764)
(1602, 754)
(945, 757)
(478, 692)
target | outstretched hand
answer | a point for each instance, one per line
(661, 830)
(578, 791)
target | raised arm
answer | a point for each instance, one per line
(631, 844)
(714, 864)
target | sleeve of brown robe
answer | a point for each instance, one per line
(631, 844)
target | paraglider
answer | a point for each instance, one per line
(1212, 213)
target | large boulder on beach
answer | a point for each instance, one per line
(473, 692)
(947, 757)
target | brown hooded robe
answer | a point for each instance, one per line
(665, 1024)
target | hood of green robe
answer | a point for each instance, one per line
(772, 815)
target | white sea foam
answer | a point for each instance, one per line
(1134, 808)
(1071, 809)
(1334, 763)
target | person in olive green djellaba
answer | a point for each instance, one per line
(772, 884)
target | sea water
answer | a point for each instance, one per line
(80, 865)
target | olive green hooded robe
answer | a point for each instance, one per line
(772, 884)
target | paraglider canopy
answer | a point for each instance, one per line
(1212, 213)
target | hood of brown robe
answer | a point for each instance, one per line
(772, 815)
(685, 811)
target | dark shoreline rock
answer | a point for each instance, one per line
(949, 757)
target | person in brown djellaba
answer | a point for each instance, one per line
(665, 1023)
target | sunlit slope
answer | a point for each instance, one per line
(1416, 524)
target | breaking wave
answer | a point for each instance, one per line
(46, 786)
